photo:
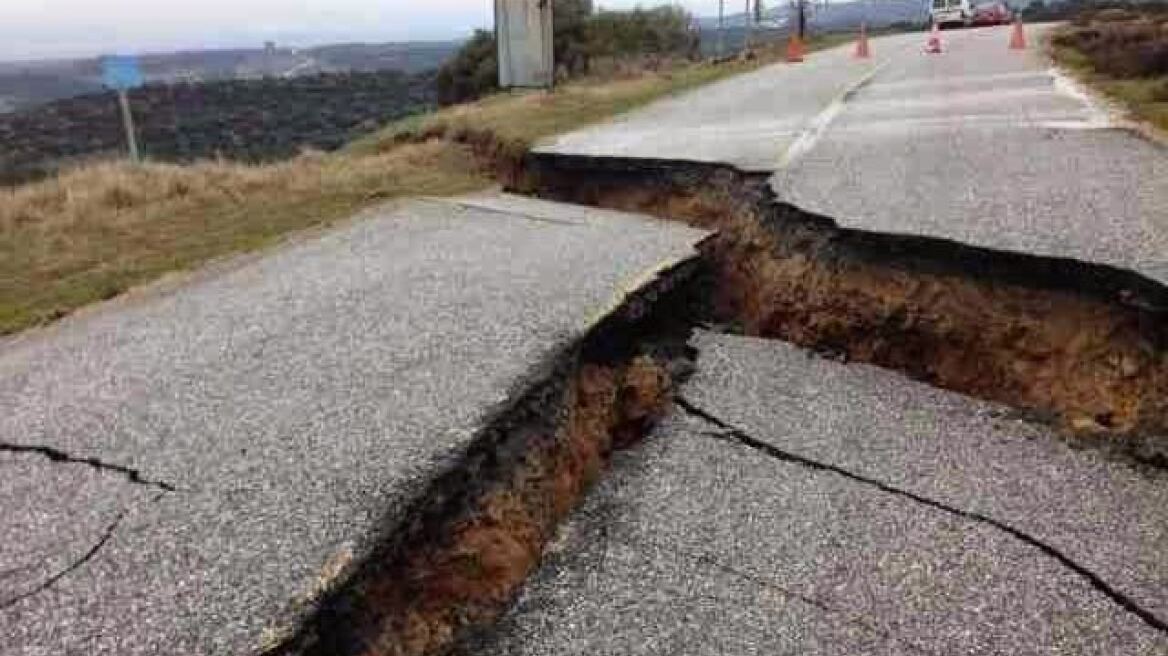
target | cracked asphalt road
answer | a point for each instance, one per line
(699, 543)
(194, 465)
(747, 120)
(980, 145)
(989, 147)
(82, 505)
(182, 470)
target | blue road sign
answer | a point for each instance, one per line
(121, 73)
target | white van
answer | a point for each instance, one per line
(952, 12)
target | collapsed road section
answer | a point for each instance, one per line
(797, 503)
(334, 485)
(1002, 326)
(1081, 344)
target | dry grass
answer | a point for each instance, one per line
(1123, 53)
(91, 233)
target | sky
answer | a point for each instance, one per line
(40, 29)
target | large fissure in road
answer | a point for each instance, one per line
(1079, 345)
(478, 531)
(1075, 344)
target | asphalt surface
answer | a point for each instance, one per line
(989, 147)
(698, 543)
(251, 433)
(747, 120)
(979, 144)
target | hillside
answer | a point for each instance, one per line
(1121, 51)
(833, 16)
(251, 120)
(843, 16)
(26, 84)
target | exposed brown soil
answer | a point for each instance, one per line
(1100, 369)
(1078, 345)
(470, 578)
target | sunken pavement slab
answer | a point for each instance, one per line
(186, 469)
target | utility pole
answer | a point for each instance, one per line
(802, 19)
(747, 17)
(721, 27)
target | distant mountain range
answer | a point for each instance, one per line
(242, 119)
(829, 15)
(25, 84)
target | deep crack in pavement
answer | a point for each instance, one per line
(732, 433)
(1081, 342)
(56, 455)
(80, 562)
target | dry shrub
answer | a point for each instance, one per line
(630, 67)
(1120, 43)
(1114, 15)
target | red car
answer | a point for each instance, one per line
(992, 13)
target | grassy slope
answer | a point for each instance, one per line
(91, 233)
(1145, 97)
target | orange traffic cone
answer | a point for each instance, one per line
(795, 49)
(1018, 38)
(862, 43)
(933, 45)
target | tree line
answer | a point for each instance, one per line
(582, 35)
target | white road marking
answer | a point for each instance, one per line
(923, 85)
(819, 124)
(1098, 117)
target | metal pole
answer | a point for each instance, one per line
(128, 122)
(549, 46)
(721, 27)
(749, 16)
